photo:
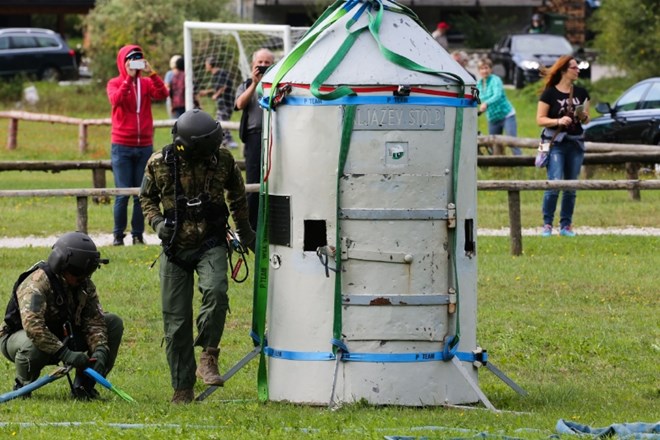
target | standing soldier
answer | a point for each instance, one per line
(55, 315)
(183, 199)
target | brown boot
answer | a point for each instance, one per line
(186, 395)
(207, 370)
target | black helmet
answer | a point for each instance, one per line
(76, 253)
(196, 135)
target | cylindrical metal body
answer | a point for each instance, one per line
(392, 215)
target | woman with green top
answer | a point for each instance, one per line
(500, 113)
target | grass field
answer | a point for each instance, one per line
(573, 321)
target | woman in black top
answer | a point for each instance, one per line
(562, 108)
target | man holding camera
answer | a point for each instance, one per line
(251, 125)
(130, 95)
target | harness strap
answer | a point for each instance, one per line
(190, 265)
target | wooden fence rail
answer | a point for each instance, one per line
(513, 188)
(98, 167)
(82, 197)
(83, 124)
(495, 141)
(632, 159)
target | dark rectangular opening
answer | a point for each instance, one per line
(470, 244)
(279, 220)
(315, 235)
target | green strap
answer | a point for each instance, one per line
(325, 73)
(347, 130)
(294, 56)
(458, 133)
(374, 28)
(260, 294)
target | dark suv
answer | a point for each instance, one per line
(633, 119)
(36, 52)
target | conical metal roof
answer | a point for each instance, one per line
(366, 63)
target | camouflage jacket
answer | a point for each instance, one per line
(213, 177)
(43, 311)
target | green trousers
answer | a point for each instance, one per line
(177, 287)
(29, 360)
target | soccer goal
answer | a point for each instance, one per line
(232, 45)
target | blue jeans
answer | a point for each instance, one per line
(564, 164)
(508, 125)
(128, 164)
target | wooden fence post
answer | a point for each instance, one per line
(515, 228)
(632, 173)
(82, 138)
(81, 219)
(98, 179)
(12, 133)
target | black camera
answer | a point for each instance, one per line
(262, 69)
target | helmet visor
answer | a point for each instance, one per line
(82, 263)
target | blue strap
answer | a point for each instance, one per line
(256, 339)
(339, 344)
(361, 99)
(434, 356)
(299, 355)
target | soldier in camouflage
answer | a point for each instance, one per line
(183, 199)
(55, 315)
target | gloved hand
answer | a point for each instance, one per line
(164, 230)
(246, 234)
(77, 359)
(101, 355)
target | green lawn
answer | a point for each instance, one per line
(584, 347)
(574, 322)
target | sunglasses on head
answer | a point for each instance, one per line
(134, 55)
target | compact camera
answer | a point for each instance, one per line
(136, 64)
(262, 69)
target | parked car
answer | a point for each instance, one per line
(523, 54)
(36, 52)
(633, 119)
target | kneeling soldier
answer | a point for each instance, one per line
(55, 315)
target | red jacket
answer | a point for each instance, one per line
(132, 121)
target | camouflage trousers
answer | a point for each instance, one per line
(29, 360)
(177, 287)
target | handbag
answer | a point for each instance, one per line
(543, 153)
(542, 159)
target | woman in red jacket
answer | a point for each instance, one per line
(130, 95)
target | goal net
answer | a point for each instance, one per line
(232, 46)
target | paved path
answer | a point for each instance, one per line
(152, 239)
